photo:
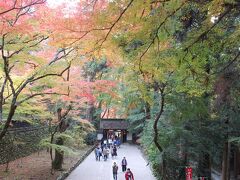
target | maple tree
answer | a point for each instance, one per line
(31, 43)
(24, 66)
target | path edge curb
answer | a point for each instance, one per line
(64, 175)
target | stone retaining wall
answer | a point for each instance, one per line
(21, 142)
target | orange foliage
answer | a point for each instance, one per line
(78, 29)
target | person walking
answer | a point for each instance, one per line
(118, 142)
(124, 164)
(110, 142)
(108, 152)
(96, 153)
(105, 153)
(129, 175)
(115, 142)
(115, 170)
(100, 153)
(114, 151)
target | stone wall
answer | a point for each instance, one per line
(21, 142)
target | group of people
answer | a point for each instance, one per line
(110, 146)
(107, 147)
(104, 151)
(113, 140)
(127, 171)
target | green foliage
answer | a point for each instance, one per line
(62, 148)
(176, 44)
(94, 68)
(81, 131)
(33, 111)
(90, 138)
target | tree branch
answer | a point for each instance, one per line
(41, 40)
(50, 74)
(57, 57)
(117, 20)
(236, 58)
(159, 1)
(33, 78)
(39, 94)
(67, 111)
(155, 125)
(156, 34)
(6, 65)
(22, 7)
(203, 34)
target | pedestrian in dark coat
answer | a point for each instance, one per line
(124, 164)
(96, 153)
(115, 170)
(114, 151)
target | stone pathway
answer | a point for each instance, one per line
(90, 169)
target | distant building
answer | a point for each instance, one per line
(111, 128)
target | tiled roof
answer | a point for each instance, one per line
(113, 124)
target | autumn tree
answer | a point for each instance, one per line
(25, 61)
(184, 46)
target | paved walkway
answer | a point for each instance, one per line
(90, 169)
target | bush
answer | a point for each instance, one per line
(91, 138)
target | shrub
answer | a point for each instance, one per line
(91, 138)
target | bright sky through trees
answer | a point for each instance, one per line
(70, 3)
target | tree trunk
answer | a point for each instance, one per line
(228, 161)
(1, 106)
(9, 118)
(2, 99)
(148, 111)
(90, 111)
(208, 166)
(236, 163)
(182, 174)
(155, 125)
(204, 165)
(225, 162)
(58, 160)
(62, 126)
(1, 113)
(90, 106)
(164, 169)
